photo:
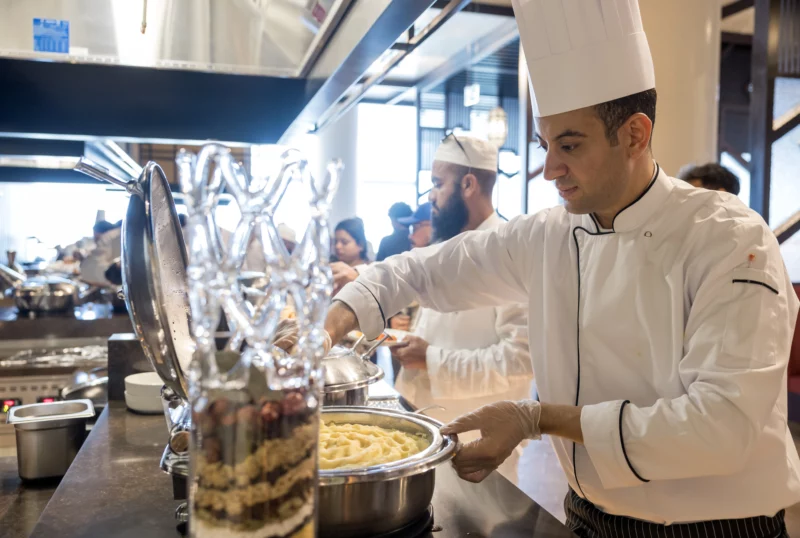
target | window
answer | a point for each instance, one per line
(386, 164)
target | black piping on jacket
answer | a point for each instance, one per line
(598, 232)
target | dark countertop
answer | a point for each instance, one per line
(115, 488)
(21, 503)
(97, 320)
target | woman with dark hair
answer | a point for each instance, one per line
(350, 242)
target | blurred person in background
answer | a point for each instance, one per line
(419, 225)
(398, 242)
(350, 243)
(289, 237)
(421, 235)
(108, 249)
(711, 176)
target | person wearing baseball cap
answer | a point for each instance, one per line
(661, 316)
(419, 226)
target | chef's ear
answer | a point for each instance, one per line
(469, 185)
(639, 131)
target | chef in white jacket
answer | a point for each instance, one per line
(462, 360)
(660, 315)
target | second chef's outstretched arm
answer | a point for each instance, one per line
(472, 270)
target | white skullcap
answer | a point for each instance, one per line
(582, 53)
(472, 153)
(286, 233)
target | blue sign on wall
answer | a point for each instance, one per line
(50, 35)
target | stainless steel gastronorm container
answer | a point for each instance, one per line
(358, 503)
(49, 436)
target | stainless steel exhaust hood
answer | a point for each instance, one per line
(239, 71)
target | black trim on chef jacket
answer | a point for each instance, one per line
(380, 308)
(745, 281)
(598, 232)
(622, 442)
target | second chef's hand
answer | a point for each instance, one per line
(504, 425)
(411, 353)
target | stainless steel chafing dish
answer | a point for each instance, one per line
(373, 500)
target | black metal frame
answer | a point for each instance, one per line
(416, 39)
(764, 128)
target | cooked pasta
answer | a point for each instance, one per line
(350, 446)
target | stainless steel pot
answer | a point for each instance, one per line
(364, 502)
(50, 294)
(348, 377)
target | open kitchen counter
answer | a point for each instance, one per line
(115, 488)
(21, 503)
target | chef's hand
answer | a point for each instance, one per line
(503, 425)
(287, 333)
(400, 322)
(411, 352)
(343, 274)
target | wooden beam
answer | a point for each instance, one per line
(786, 123)
(736, 7)
(788, 228)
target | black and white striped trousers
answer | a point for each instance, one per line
(587, 521)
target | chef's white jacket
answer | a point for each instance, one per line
(474, 357)
(672, 330)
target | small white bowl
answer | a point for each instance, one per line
(148, 406)
(144, 385)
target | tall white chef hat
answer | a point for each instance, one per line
(467, 151)
(582, 53)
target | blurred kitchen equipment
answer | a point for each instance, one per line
(91, 385)
(348, 376)
(347, 497)
(50, 293)
(10, 277)
(12, 261)
(154, 260)
(49, 436)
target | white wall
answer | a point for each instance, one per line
(339, 141)
(684, 37)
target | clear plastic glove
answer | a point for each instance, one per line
(503, 425)
(286, 336)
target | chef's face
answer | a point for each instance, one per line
(590, 173)
(449, 211)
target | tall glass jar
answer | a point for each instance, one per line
(255, 407)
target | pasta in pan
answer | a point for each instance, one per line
(351, 446)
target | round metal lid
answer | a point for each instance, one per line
(345, 370)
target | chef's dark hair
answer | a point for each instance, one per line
(615, 113)
(712, 176)
(355, 229)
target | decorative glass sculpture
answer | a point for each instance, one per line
(255, 408)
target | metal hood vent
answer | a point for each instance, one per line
(32, 160)
(256, 37)
(238, 71)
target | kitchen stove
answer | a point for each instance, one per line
(32, 380)
(416, 529)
